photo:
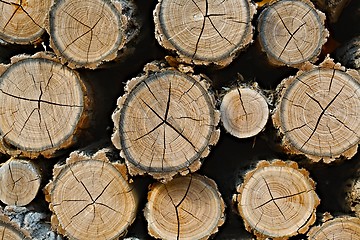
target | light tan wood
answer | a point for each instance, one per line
(23, 21)
(11, 231)
(165, 122)
(244, 112)
(204, 32)
(91, 198)
(43, 105)
(318, 112)
(277, 200)
(187, 207)
(344, 227)
(292, 32)
(87, 33)
(19, 182)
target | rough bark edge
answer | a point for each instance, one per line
(253, 86)
(6, 221)
(39, 37)
(207, 181)
(349, 53)
(329, 220)
(78, 156)
(83, 123)
(281, 89)
(333, 8)
(278, 163)
(158, 67)
(247, 40)
(129, 26)
(323, 38)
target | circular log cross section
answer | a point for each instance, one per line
(23, 22)
(91, 200)
(41, 104)
(336, 229)
(204, 31)
(166, 124)
(10, 231)
(86, 33)
(319, 114)
(292, 32)
(244, 112)
(277, 200)
(185, 208)
(19, 182)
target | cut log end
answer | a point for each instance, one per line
(318, 112)
(185, 208)
(292, 32)
(9, 230)
(19, 182)
(344, 227)
(244, 112)
(43, 105)
(175, 120)
(204, 32)
(90, 198)
(23, 22)
(89, 37)
(277, 200)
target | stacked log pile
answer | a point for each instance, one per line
(186, 119)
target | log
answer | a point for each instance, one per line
(165, 122)
(317, 112)
(352, 194)
(189, 207)
(277, 200)
(23, 22)
(90, 197)
(87, 33)
(19, 182)
(343, 227)
(244, 111)
(292, 32)
(333, 8)
(349, 53)
(44, 106)
(204, 32)
(9, 230)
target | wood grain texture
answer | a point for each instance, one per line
(165, 123)
(318, 112)
(187, 207)
(277, 200)
(204, 32)
(23, 21)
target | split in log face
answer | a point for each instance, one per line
(337, 229)
(91, 199)
(277, 200)
(23, 21)
(185, 208)
(204, 31)
(319, 113)
(41, 105)
(19, 182)
(244, 112)
(292, 32)
(86, 32)
(166, 123)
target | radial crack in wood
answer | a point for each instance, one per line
(185, 208)
(292, 32)
(277, 200)
(344, 227)
(165, 123)
(43, 106)
(244, 112)
(19, 182)
(318, 112)
(204, 32)
(91, 198)
(23, 22)
(87, 33)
